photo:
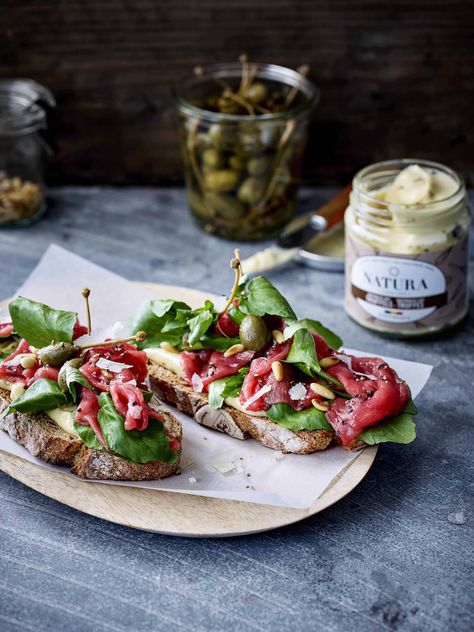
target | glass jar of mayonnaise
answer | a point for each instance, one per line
(407, 235)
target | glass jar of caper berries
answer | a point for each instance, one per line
(243, 129)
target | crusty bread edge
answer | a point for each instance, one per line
(172, 389)
(44, 439)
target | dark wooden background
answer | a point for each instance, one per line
(397, 77)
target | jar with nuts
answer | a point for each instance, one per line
(243, 128)
(23, 105)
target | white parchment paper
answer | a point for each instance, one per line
(213, 464)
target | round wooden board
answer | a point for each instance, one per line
(171, 513)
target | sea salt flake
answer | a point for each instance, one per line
(192, 479)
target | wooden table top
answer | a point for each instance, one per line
(388, 556)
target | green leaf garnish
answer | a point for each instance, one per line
(226, 387)
(331, 339)
(72, 376)
(263, 298)
(44, 394)
(138, 446)
(303, 354)
(308, 419)
(399, 429)
(39, 324)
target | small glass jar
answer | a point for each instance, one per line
(242, 170)
(407, 264)
(22, 151)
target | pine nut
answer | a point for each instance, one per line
(320, 405)
(325, 363)
(167, 346)
(319, 389)
(17, 390)
(233, 350)
(278, 336)
(28, 361)
(277, 368)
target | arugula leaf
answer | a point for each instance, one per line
(399, 429)
(218, 343)
(44, 394)
(7, 347)
(138, 446)
(163, 320)
(39, 324)
(308, 419)
(236, 315)
(303, 354)
(263, 298)
(198, 325)
(88, 436)
(226, 387)
(73, 376)
(328, 336)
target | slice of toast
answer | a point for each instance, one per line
(170, 388)
(43, 438)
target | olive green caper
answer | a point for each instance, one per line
(198, 205)
(257, 166)
(251, 191)
(212, 158)
(224, 205)
(237, 163)
(58, 353)
(75, 363)
(256, 92)
(221, 181)
(253, 333)
(222, 137)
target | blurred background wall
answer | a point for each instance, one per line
(397, 77)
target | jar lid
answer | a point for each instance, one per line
(22, 106)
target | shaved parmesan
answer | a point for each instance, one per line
(260, 393)
(110, 365)
(297, 391)
(197, 384)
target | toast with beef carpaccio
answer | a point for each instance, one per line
(253, 369)
(86, 405)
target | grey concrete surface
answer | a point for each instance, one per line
(385, 557)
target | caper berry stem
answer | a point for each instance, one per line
(240, 100)
(138, 337)
(86, 293)
(303, 70)
(236, 265)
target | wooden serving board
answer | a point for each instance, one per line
(172, 513)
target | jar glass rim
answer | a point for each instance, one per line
(281, 74)
(390, 168)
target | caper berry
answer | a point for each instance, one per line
(256, 92)
(224, 205)
(58, 353)
(257, 166)
(212, 158)
(253, 333)
(76, 363)
(237, 163)
(251, 191)
(222, 181)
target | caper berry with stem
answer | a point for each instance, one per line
(253, 333)
(225, 206)
(257, 92)
(58, 353)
